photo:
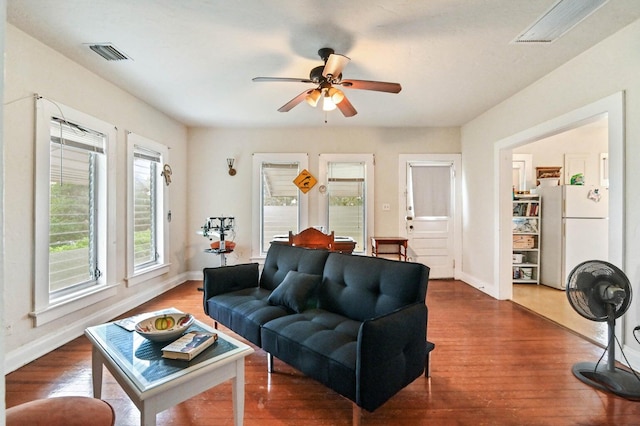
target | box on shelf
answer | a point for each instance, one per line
(523, 242)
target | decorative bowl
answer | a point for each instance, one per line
(164, 327)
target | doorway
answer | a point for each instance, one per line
(430, 210)
(588, 142)
(612, 108)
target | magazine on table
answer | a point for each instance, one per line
(129, 323)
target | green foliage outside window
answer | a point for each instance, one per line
(69, 218)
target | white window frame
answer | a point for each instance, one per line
(369, 161)
(162, 264)
(45, 307)
(302, 159)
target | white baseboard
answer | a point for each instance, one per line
(484, 287)
(633, 355)
(194, 275)
(39, 347)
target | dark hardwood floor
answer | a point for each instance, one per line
(495, 363)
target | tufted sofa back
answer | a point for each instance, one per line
(282, 258)
(361, 287)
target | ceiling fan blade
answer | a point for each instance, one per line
(295, 101)
(346, 108)
(379, 86)
(335, 64)
(283, 79)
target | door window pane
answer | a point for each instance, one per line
(430, 194)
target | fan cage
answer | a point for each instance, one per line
(583, 286)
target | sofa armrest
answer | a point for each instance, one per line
(391, 354)
(226, 279)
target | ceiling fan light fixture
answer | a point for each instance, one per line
(327, 103)
(313, 97)
(336, 95)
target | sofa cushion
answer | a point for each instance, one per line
(294, 291)
(244, 311)
(282, 258)
(320, 344)
(379, 285)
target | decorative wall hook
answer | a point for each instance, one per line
(232, 171)
(166, 172)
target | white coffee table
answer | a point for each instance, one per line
(154, 383)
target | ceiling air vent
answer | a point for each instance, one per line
(560, 18)
(108, 52)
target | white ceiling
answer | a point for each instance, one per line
(194, 59)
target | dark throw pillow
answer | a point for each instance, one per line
(294, 291)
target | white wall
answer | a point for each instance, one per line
(32, 67)
(609, 67)
(212, 192)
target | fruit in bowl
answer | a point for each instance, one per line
(164, 327)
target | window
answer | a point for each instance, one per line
(74, 262)
(147, 208)
(429, 190)
(282, 208)
(77, 157)
(348, 205)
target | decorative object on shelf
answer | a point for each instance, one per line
(232, 171)
(548, 172)
(166, 173)
(577, 179)
(524, 225)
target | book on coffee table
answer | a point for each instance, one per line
(189, 345)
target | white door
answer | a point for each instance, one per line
(430, 220)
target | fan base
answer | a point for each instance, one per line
(619, 382)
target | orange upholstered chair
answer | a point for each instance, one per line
(62, 411)
(312, 238)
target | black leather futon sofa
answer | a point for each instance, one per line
(356, 324)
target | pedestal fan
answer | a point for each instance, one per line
(599, 291)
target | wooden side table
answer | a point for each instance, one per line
(389, 245)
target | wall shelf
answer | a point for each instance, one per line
(526, 225)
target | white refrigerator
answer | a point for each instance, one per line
(574, 228)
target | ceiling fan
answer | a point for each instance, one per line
(325, 77)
